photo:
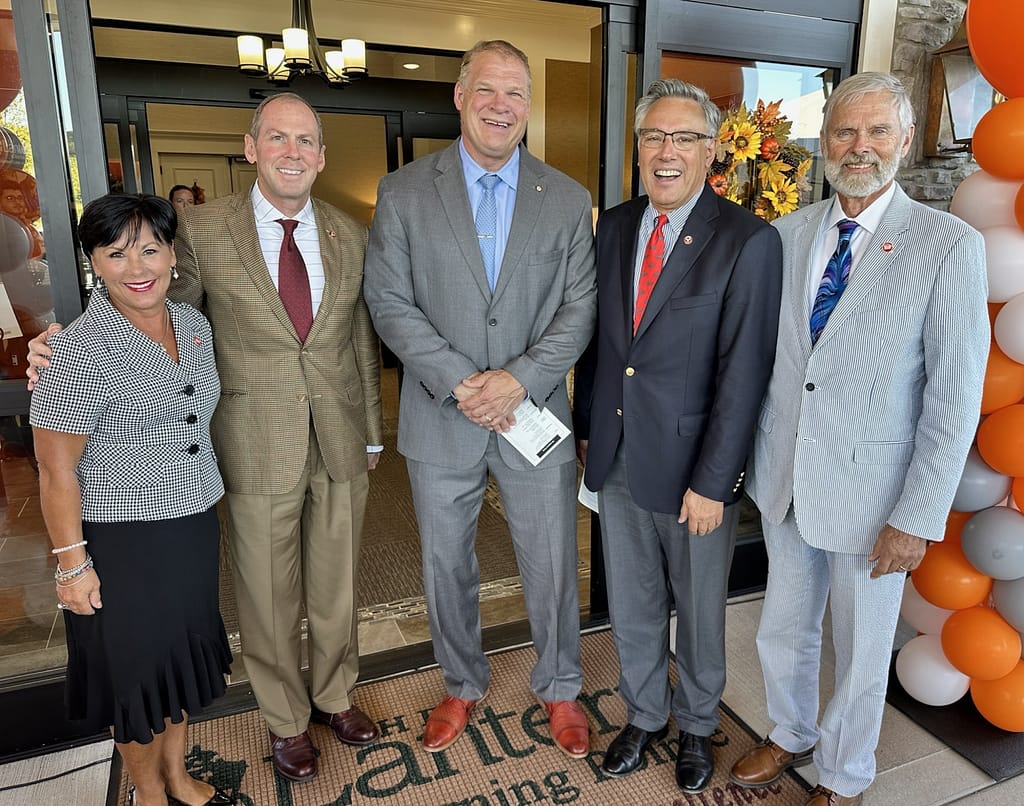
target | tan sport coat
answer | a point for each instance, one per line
(270, 382)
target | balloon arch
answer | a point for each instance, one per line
(966, 599)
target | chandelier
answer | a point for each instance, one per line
(301, 54)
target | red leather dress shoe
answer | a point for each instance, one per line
(568, 726)
(294, 756)
(351, 726)
(446, 722)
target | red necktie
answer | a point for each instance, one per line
(650, 269)
(293, 281)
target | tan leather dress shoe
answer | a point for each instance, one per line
(820, 796)
(765, 764)
(568, 726)
(446, 722)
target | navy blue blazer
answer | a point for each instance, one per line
(684, 393)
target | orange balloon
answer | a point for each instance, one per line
(955, 525)
(947, 580)
(999, 140)
(1004, 381)
(1001, 440)
(995, 29)
(993, 311)
(980, 644)
(1018, 208)
(1001, 701)
(1017, 492)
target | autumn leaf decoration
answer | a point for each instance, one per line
(756, 165)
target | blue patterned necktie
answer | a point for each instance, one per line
(833, 283)
(487, 226)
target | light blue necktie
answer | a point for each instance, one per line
(487, 226)
(833, 283)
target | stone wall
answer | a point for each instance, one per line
(921, 27)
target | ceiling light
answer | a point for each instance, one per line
(301, 54)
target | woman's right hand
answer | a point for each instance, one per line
(39, 354)
(82, 595)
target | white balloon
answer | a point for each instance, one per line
(983, 201)
(1009, 329)
(926, 675)
(1004, 260)
(921, 614)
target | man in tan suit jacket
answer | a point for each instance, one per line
(292, 431)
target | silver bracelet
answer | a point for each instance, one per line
(66, 576)
(62, 549)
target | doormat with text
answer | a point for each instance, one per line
(505, 757)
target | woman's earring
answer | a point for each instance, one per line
(174, 272)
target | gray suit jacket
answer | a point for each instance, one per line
(873, 424)
(428, 295)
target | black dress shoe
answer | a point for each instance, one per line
(627, 750)
(695, 763)
(220, 798)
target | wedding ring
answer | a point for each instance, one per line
(901, 568)
(488, 417)
(62, 606)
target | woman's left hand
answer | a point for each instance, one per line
(82, 596)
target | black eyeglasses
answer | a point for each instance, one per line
(683, 141)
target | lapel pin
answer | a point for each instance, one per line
(687, 239)
(887, 246)
(330, 233)
(197, 341)
(538, 188)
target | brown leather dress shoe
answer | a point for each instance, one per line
(446, 722)
(765, 764)
(294, 757)
(568, 726)
(820, 796)
(351, 726)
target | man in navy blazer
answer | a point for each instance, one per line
(667, 397)
(862, 437)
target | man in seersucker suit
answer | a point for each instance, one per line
(862, 436)
(476, 336)
(297, 427)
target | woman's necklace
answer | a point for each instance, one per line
(167, 327)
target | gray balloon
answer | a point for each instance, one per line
(980, 486)
(993, 542)
(1008, 599)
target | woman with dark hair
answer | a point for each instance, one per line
(128, 483)
(181, 196)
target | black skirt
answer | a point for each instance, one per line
(157, 647)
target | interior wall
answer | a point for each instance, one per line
(569, 120)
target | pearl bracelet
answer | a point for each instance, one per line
(62, 549)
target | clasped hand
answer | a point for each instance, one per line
(489, 398)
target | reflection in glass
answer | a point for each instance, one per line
(26, 306)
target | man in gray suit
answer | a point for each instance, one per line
(863, 434)
(479, 276)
